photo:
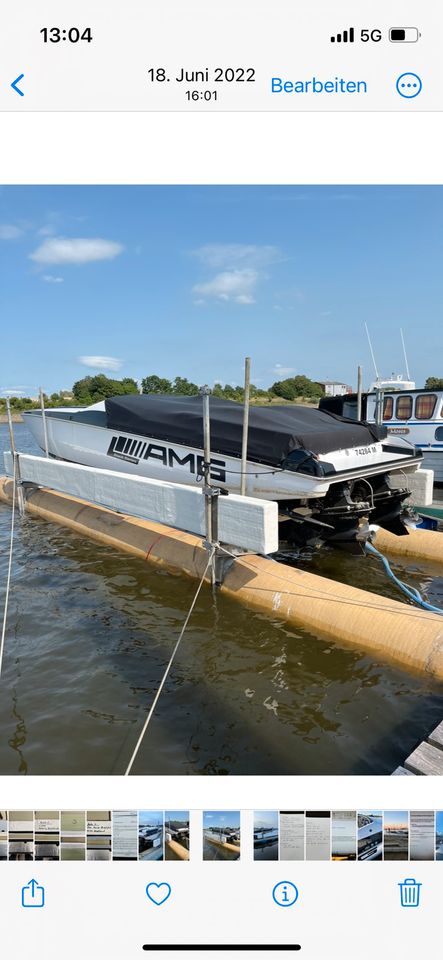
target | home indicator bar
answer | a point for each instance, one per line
(219, 947)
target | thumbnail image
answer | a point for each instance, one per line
(176, 834)
(133, 298)
(3, 834)
(292, 835)
(47, 834)
(318, 835)
(73, 835)
(439, 835)
(125, 835)
(396, 835)
(265, 835)
(21, 835)
(150, 835)
(370, 835)
(221, 835)
(422, 835)
(98, 835)
(344, 835)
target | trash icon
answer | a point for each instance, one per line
(410, 893)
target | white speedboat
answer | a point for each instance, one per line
(416, 415)
(330, 475)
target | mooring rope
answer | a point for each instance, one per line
(410, 592)
(165, 675)
(8, 578)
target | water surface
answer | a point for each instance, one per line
(90, 631)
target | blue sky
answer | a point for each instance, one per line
(221, 818)
(189, 280)
(394, 818)
(176, 815)
(150, 817)
(266, 818)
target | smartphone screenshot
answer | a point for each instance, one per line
(221, 480)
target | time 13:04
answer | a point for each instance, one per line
(72, 34)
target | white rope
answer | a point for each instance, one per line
(157, 695)
(8, 579)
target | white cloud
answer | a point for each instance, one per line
(101, 363)
(236, 285)
(75, 250)
(9, 232)
(239, 266)
(281, 371)
(237, 255)
(245, 298)
(48, 278)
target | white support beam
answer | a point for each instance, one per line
(244, 522)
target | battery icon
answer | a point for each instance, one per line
(404, 34)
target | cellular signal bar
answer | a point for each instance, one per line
(348, 36)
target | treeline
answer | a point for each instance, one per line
(289, 389)
(434, 383)
(90, 390)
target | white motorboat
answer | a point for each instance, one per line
(416, 415)
(330, 475)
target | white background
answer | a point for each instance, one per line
(221, 148)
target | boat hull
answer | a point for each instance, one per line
(98, 446)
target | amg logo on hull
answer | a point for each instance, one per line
(123, 448)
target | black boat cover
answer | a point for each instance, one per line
(274, 431)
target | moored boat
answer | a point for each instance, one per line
(415, 414)
(329, 474)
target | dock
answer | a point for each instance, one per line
(175, 851)
(427, 759)
(435, 510)
(223, 843)
(389, 629)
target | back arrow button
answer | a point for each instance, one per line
(15, 87)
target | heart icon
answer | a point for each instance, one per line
(158, 892)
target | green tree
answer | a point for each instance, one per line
(93, 389)
(434, 383)
(82, 390)
(155, 384)
(299, 386)
(185, 387)
(130, 385)
(229, 392)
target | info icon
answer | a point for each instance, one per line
(285, 893)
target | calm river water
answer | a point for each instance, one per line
(89, 634)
